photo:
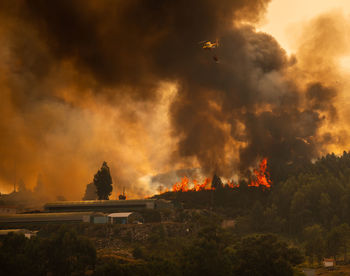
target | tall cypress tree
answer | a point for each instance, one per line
(103, 182)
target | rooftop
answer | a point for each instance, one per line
(101, 202)
(119, 215)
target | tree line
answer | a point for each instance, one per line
(210, 252)
(310, 203)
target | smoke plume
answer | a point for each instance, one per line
(129, 83)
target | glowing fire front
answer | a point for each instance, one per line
(261, 179)
(262, 176)
(183, 186)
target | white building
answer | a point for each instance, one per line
(328, 263)
(124, 218)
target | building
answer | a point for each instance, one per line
(329, 263)
(71, 217)
(114, 218)
(107, 206)
(124, 218)
(96, 218)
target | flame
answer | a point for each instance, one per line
(262, 176)
(183, 186)
(261, 179)
(231, 184)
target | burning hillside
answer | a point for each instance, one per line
(185, 185)
(261, 178)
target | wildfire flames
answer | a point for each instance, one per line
(183, 186)
(261, 179)
(262, 176)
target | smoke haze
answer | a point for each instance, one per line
(127, 82)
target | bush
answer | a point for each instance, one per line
(139, 252)
(62, 253)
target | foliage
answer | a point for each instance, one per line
(302, 195)
(63, 253)
(314, 242)
(309, 204)
(67, 253)
(150, 215)
(103, 182)
(153, 267)
(264, 255)
(337, 242)
(206, 255)
(211, 251)
(90, 192)
(139, 252)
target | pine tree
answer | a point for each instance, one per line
(103, 182)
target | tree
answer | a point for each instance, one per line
(334, 242)
(216, 183)
(257, 217)
(90, 192)
(13, 257)
(272, 222)
(62, 253)
(67, 253)
(345, 234)
(264, 255)
(206, 255)
(338, 240)
(314, 242)
(103, 182)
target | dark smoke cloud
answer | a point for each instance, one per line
(70, 59)
(250, 86)
(134, 42)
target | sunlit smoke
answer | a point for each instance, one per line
(129, 83)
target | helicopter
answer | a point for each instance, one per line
(208, 45)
